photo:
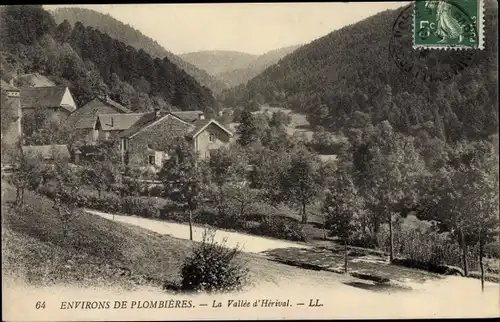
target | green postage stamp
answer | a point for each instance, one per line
(448, 24)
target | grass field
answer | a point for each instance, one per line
(95, 251)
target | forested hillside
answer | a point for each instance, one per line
(91, 62)
(242, 75)
(133, 37)
(219, 61)
(347, 79)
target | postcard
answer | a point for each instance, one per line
(233, 161)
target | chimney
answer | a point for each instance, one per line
(77, 156)
(11, 82)
(157, 112)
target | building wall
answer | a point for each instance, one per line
(153, 139)
(203, 144)
(60, 114)
(103, 135)
(57, 114)
(12, 134)
(85, 136)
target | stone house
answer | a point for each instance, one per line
(109, 126)
(145, 144)
(56, 100)
(83, 120)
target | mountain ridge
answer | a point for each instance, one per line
(348, 77)
(133, 37)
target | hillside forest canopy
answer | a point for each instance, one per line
(347, 79)
(92, 63)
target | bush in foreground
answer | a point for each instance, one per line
(212, 267)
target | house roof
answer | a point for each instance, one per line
(188, 116)
(7, 87)
(139, 126)
(47, 151)
(121, 122)
(106, 100)
(43, 97)
(200, 125)
(83, 122)
(83, 118)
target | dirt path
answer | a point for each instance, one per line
(248, 243)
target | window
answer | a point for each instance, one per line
(211, 137)
(151, 159)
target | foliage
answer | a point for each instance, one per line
(426, 247)
(343, 206)
(347, 79)
(301, 181)
(101, 171)
(40, 129)
(27, 174)
(247, 129)
(279, 227)
(279, 119)
(182, 178)
(213, 267)
(464, 195)
(91, 62)
(133, 37)
(143, 207)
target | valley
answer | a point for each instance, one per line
(321, 175)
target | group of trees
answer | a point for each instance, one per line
(90, 62)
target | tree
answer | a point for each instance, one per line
(247, 130)
(268, 167)
(182, 178)
(279, 119)
(301, 181)
(63, 31)
(100, 174)
(464, 195)
(342, 207)
(24, 174)
(483, 203)
(393, 171)
(242, 195)
(225, 165)
(66, 196)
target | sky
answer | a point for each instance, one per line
(254, 28)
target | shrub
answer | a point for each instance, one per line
(144, 207)
(426, 247)
(107, 202)
(279, 227)
(213, 267)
